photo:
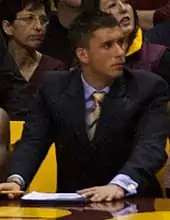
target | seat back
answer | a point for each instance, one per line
(161, 173)
(45, 179)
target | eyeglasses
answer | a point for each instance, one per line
(29, 20)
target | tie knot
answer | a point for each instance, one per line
(98, 96)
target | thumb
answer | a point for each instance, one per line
(7, 186)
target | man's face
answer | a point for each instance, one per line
(105, 54)
(122, 11)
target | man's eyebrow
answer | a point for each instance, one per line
(108, 42)
(113, 40)
(108, 1)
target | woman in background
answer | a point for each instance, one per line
(24, 24)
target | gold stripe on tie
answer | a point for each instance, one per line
(95, 113)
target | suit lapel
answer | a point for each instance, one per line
(73, 103)
(112, 110)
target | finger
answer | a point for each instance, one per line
(96, 205)
(98, 198)
(110, 198)
(88, 194)
(86, 190)
(6, 186)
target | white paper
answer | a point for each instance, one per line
(52, 196)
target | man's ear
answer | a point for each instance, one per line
(82, 55)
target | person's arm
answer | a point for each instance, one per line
(150, 134)
(146, 18)
(30, 151)
(150, 18)
(123, 180)
(4, 138)
(162, 14)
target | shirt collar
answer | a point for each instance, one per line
(89, 90)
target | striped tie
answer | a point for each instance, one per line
(95, 113)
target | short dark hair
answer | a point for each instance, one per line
(10, 8)
(82, 28)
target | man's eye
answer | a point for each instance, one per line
(107, 45)
(121, 42)
(112, 5)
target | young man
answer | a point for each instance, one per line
(109, 132)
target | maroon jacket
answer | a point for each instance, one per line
(152, 57)
(147, 58)
(46, 63)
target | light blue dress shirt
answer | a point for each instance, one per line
(121, 180)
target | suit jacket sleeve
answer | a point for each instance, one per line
(37, 137)
(148, 154)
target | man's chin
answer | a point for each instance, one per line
(118, 71)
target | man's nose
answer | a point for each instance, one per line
(120, 50)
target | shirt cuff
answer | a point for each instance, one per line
(19, 177)
(126, 183)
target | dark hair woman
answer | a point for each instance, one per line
(23, 24)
